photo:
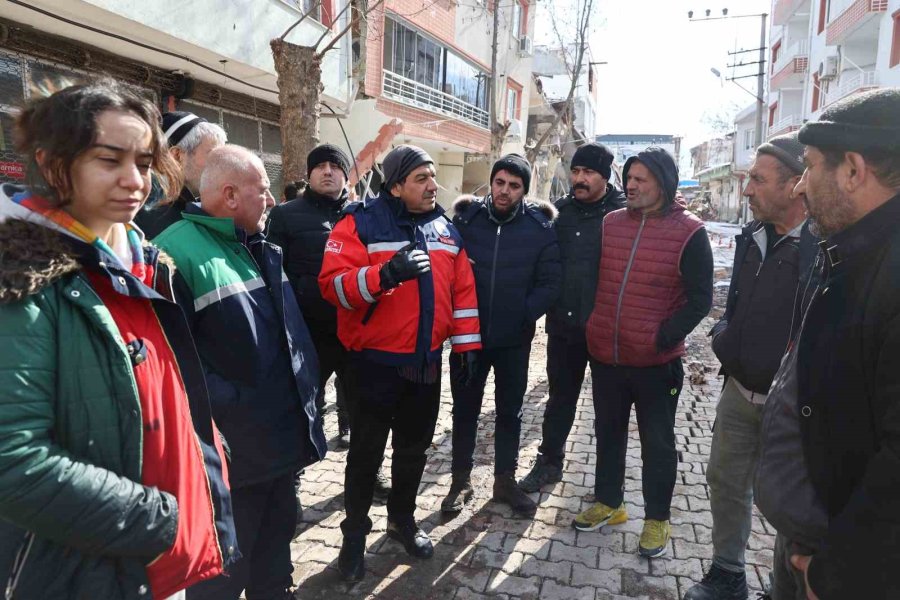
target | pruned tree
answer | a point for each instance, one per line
(573, 57)
(299, 70)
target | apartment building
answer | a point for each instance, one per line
(211, 57)
(420, 74)
(825, 50)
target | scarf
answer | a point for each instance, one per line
(126, 240)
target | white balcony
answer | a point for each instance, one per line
(785, 125)
(413, 93)
(857, 23)
(850, 82)
(799, 49)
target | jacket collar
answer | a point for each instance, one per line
(222, 226)
(319, 200)
(488, 203)
(860, 237)
(399, 209)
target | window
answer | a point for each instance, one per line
(895, 44)
(816, 92)
(512, 104)
(242, 131)
(416, 57)
(823, 14)
(748, 139)
(776, 50)
(519, 19)
(772, 110)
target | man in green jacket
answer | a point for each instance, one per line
(261, 366)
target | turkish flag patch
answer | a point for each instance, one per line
(333, 246)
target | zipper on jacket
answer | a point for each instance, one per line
(634, 248)
(18, 565)
(493, 279)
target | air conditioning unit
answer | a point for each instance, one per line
(828, 68)
(515, 129)
(526, 46)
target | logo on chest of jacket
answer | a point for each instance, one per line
(334, 246)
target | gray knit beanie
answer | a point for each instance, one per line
(786, 148)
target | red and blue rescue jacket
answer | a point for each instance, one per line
(407, 325)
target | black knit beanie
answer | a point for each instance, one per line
(865, 121)
(177, 124)
(328, 153)
(596, 157)
(515, 164)
(400, 162)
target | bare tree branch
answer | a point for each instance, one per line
(347, 6)
(581, 45)
(315, 5)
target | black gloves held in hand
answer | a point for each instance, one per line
(468, 367)
(408, 263)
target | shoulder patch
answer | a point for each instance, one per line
(334, 246)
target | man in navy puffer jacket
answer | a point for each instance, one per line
(518, 274)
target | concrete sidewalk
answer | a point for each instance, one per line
(486, 553)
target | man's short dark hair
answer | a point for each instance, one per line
(290, 191)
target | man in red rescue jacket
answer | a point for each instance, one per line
(655, 286)
(396, 269)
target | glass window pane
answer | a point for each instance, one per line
(242, 131)
(387, 54)
(409, 54)
(44, 79)
(271, 138)
(10, 80)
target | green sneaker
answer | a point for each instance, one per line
(654, 538)
(599, 515)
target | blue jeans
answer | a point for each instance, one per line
(732, 465)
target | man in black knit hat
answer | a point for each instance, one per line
(829, 473)
(191, 138)
(578, 228)
(515, 257)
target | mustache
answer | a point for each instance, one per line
(581, 186)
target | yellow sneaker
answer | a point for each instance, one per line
(598, 515)
(654, 538)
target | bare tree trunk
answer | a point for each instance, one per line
(299, 71)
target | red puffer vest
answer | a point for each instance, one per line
(639, 286)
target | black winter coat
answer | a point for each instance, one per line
(516, 267)
(762, 314)
(156, 219)
(579, 227)
(301, 227)
(848, 372)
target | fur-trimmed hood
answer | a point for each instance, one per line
(34, 253)
(463, 202)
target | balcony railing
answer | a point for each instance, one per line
(851, 82)
(413, 93)
(848, 22)
(799, 49)
(785, 125)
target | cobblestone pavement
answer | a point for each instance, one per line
(487, 553)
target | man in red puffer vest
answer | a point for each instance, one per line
(655, 286)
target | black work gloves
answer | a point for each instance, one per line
(408, 263)
(468, 367)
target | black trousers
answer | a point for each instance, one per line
(510, 380)
(265, 515)
(384, 402)
(566, 363)
(332, 360)
(654, 392)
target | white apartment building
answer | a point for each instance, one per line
(825, 50)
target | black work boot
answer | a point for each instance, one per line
(382, 485)
(343, 430)
(352, 559)
(507, 492)
(460, 493)
(414, 540)
(542, 473)
(719, 584)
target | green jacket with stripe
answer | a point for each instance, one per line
(259, 360)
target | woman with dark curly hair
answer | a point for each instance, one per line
(113, 482)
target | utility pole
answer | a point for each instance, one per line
(495, 84)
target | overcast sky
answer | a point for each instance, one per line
(658, 79)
